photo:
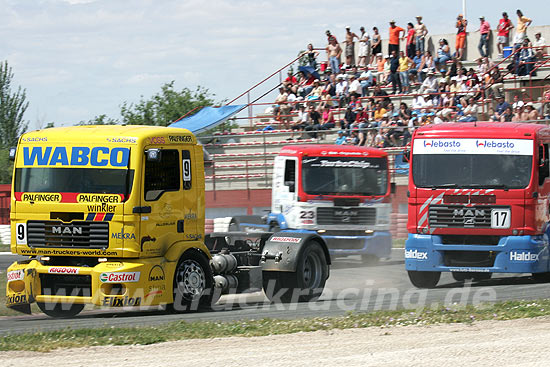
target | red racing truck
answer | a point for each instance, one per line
(478, 201)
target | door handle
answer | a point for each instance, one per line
(181, 226)
(141, 209)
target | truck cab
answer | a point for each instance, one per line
(478, 201)
(339, 192)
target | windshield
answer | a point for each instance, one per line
(76, 180)
(344, 176)
(472, 170)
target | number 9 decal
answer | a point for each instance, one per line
(21, 233)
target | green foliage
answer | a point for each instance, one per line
(6, 167)
(12, 108)
(165, 107)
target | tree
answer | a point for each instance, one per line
(12, 108)
(165, 107)
(100, 120)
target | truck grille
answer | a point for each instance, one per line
(66, 285)
(73, 235)
(349, 216)
(457, 216)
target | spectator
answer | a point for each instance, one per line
(394, 73)
(429, 85)
(427, 64)
(349, 118)
(526, 59)
(364, 47)
(342, 90)
(470, 111)
(316, 91)
(443, 53)
(355, 88)
(327, 119)
(495, 83)
(376, 44)
(311, 56)
(531, 112)
(420, 31)
(405, 63)
(504, 27)
(366, 79)
(301, 123)
(330, 37)
(518, 103)
(315, 119)
(379, 112)
(291, 78)
(415, 69)
(507, 115)
(461, 24)
(540, 46)
(411, 41)
(381, 95)
(334, 52)
(485, 33)
(350, 47)
(521, 29)
(281, 108)
(393, 42)
(341, 139)
(518, 112)
(354, 138)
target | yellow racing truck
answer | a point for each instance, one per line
(114, 216)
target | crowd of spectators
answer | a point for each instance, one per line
(351, 96)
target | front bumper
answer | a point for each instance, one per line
(125, 283)
(512, 254)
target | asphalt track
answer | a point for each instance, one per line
(351, 287)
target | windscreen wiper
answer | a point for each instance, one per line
(488, 186)
(442, 186)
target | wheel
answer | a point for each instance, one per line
(193, 283)
(370, 260)
(274, 227)
(424, 279)
(303, 285)
(60, 310)
(541, 277)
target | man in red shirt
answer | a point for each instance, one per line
(504, 26)
(395, 33)
(291, 78)
(485, 32)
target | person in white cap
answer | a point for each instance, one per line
(350, 47)
(485, 32)
(364, 47)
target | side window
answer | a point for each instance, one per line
(544, 168)
(162, 175)
(290, 175)
(186, 169)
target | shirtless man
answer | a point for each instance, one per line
(350, 47)
(334, 51)
(420, 32)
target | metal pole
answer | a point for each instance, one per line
(249, 110)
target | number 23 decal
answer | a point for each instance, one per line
(307, 214)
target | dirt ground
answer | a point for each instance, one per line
(488, 343)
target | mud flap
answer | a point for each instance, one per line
(282, 250)
(22, 280)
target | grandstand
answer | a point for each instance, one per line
(239, 175)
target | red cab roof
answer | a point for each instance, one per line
(331, 150)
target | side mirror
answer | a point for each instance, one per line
(542, 157)
(393, 188)
(12, 154)
(153, 155)
(406, 155)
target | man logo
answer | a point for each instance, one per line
(156, 274)
(66, 230)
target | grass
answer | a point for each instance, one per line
(4, 247)
(71, 338)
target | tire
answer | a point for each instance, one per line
(305, 284)
(193, 283)
(60, 310)
(370, 260)
(541, 277)
(424, 279)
